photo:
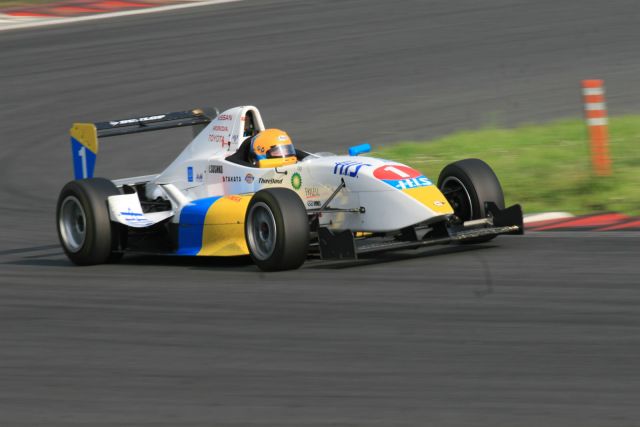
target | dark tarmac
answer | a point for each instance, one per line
(540, 330)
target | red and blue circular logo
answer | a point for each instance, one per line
(401, 177)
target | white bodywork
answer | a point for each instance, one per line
(126, 209)
(202, 170)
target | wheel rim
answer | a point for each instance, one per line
(458, 197)
(261, 231)
(72, 224)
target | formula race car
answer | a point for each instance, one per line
(240, 189)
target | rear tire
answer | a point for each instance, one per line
(467, 185)
(85, 230)
(277, 229)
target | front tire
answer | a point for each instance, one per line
(468, 184)
(85, 230)
(277, 229)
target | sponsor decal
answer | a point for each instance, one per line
(438, 203)
(270, 180)
(248, 178)
(401, 177)
(135, 219)
(190, 174)
(231, 179)
(221, 128)
(283, 138)
(311, 192)
(296, 181)
(216, 138)
(234, 198)
(215, 169)
(348, 168)
(139, 120)
(314, 204)
(395, 172)
(130, 213)
(199, 177)
(220, 140)
(224, 117)
(403, 184)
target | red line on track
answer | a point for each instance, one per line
(633, 223)
(116, 4)
(533, 226)
(54, 10)
(75, 10)
(24, 13)
(589, 221)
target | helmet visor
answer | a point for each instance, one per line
(278, 151)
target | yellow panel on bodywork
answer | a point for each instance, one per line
(431, 197)
(223, 232)
(277, 162)
(86, 134)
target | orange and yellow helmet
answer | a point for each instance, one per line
(272, 148)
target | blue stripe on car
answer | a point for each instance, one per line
(191, 225)
(84, 160)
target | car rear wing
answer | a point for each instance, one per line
(85, 136)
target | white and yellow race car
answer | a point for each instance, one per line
(240, 189)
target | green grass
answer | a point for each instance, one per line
(543, 167)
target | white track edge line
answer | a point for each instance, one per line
(546, 216)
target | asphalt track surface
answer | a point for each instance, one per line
(538, 330)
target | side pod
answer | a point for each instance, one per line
(214, 226)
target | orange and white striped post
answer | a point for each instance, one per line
(595, 113)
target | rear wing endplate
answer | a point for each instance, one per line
(85, 136)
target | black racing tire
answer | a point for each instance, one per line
(468, 184)
(86, 233)
(277, 229)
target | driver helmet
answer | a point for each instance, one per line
(272, 148)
